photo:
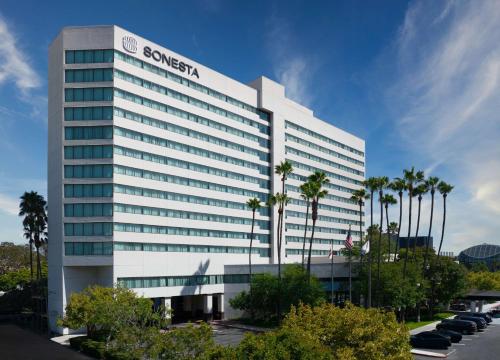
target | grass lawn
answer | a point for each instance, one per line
(439, 316)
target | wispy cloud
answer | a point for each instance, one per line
(13, 62)
(292, 68)
(9, 205)
(447, 102)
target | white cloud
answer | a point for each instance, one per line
(292, 68)
(9, 205)
(447, 101)
(14, 65)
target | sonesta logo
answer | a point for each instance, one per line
(170, 61)
(129, 44)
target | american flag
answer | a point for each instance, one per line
(348, 241)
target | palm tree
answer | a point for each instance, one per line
(359, 196)
(432, 183)
(317, 179)
(372, 185)
(387, 200)
(382, 183)
(32, 207)
(254, 205)
(392, 230)
(412, 179)
(306, 194)
(284, 169)
(419, 191)
(444, 189)
(398, 185)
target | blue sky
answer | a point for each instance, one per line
(418, 80)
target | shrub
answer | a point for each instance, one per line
(93, 348)
(76, 342)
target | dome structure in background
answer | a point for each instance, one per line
(484, 253)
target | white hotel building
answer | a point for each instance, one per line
(151, 159)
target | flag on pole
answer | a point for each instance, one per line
(348, 241)
(331, 252)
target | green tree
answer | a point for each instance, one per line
(13, 257)
(444, 189)
(307, 194)
(483, 280)
(254, 205)
(317, 179)
(432, 183)
(372, 185)
(387, 200)
(398, 185)
(32, 207)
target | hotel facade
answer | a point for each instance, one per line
(151, 159)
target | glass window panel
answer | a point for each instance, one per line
(108, 75)
(78, 113)
(108, 56)
(78, 95)
(108, 94)
(70, 56)
(107, 113)
(98, 94)
(78, 75)
(89, 56)
(68, 95)
(88, 75)
(98, 56)
(69, 76)
(88, 94)
(79, 56)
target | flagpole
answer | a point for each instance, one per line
(350, 270)
(331, 271)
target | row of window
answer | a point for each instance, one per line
(88, 132)
(290, 226)
(88, 113)
(89, 56)
(88, 190)
(296, 189)
(88, 171)
(300, 239)
(313, 252)
(106, 248)
(322, 149)
(88, 94)
(202, 152)
(181, 80)
(119, 150)
(191, 117)
(88, 75)
(328, 173)
(156, 176)
(88, 152)
(305, 155)
(153, 211)
(189, 280)
(323, 206)
(301, 215)
(306, 131)
(88, 209)
(330, 185)
(185, 98)
(88, 229)
(159, 194)
(170, 230)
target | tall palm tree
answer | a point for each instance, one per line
(432, 183)
(33, 208)
(284, 169)
(398, 185)
(317, 179)
(387, 200)
(382, 183)
(360, 196)
(392, 230)
(254, 205)
(372, 185)
(306, 194)
(419, 192)
(444, 189)
(412, 179)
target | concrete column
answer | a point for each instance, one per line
(221, 304)
(207, 307)
(481, 303)
(167, 303)
(473, 306)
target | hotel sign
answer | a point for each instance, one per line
(130, 45)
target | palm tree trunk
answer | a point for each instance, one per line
(429, 233)
(250, 265)
(280, 229)
(31, 258)
(369, 295)
(416, 232)
(310, 250)
(360, 234)
(305, 234)
(379, 253)
(389, 236)
(444, 222)
(38, 265)
(399, 224)
(410, 195)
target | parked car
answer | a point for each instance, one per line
(454, 336)
(485, 316)
(494, 313)
(481, 323)
(461, 326)
(430, 340)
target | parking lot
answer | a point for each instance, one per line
(482, 345)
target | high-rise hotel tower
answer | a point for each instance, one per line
(151, 159)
